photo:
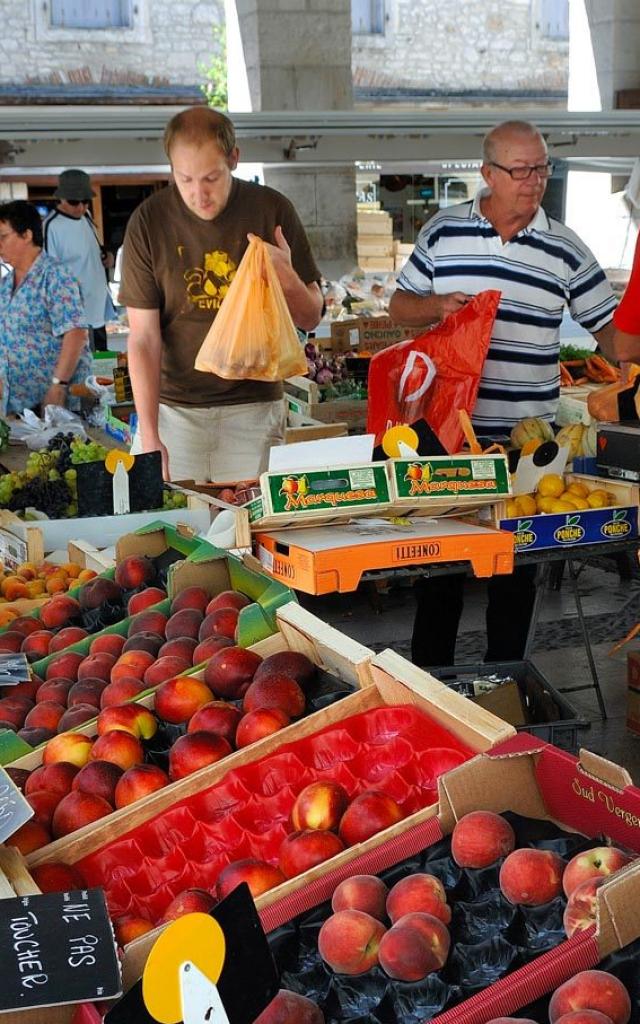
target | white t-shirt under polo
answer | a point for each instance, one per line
(72, 241)
(544, 268)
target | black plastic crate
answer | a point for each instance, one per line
(547, 713)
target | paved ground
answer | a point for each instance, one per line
(612, 607)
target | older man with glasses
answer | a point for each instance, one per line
(70, 237)
(502, 240)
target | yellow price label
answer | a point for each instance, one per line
(115, 457)
(194, 937)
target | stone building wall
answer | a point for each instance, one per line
(461, 46)
(168, 41)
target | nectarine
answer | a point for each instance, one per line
(349, 941)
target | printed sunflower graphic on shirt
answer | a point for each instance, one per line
(208, 285)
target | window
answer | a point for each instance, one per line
(91, 14)
(554, 19)
(367, 17)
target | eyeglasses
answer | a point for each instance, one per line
(78, 202)
(526, 170)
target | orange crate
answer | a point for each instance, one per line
(323, 561)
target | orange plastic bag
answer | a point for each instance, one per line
(253, 336)
(426, 381)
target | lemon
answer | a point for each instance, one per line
(570, 499)
(598, 499)
(545, 504)
(577, 488)
(580, 503)
(526, 505)
(562, 506)
(550, 486)
(512, 509)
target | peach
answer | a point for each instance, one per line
(480, 838)
(227, 599)
(582, 906)
(27, 688)
(11, 727)
(418, 893)
(164, 669)
(99, 778)
(55, 689)
(132, 664)
(148, 621)
(222, 622)
(30, 837)
(14, 710)
(36, 645)
(64, 665)
(177, 700)
(77, 810)
(184, 623)
(10, 643)
(414, 947)
(366, 893)
(260, 723)
(77, 715)
(66, 637)
(138, 782)
(194, 751)
(43, 804)
(300, 851)
(144, 641)
(128, 928)
(86, 691)
(122, 690)
(59, 612)
(259, 876)
(584, 1017)
(108, 643)
(135, 571)
(99, 591)
(130, 718)
(592, 990)
(35, 737)
(72, 747)
(190, 597)
(349, 941)
(531, 877)
(217, 716)
(26, 624)
(230, 671)
(97, 666)
(319, 805)
(119, 747)
(596, 863)
(180, 647)
(207, 648)
(290, 1008)
(86, 574)
(275, 692)
(55, 877)
(55, 778)
(191, 901)
(44, 715)
(145, 599)
(369, 813)
(288, 663)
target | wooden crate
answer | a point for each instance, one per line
(302, 400)
(384, 264)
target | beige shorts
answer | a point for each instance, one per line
(226, 443)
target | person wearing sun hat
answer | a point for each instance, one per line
(70, 237)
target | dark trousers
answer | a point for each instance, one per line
(98, 339)
(440, 600)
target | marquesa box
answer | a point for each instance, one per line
(474, 479)
(332, 489)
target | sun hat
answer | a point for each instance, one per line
(74, 184)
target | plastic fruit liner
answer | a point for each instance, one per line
(398, 749)
(490, 938)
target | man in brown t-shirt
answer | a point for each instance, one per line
(181, 250)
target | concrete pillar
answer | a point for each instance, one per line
(298, 57)
(615, 34)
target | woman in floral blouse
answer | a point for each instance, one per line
(43, 336)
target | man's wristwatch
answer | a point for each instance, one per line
(56, 381)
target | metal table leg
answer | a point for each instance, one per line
(573, 576)
(543, 570)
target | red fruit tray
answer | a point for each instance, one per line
(399, 750)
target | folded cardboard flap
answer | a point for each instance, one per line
(618, 910)
(490, 784)
(602, 770)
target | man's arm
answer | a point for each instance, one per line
(605, 338)
(73, 343)
(626, 347)
(411, 310)
(304, 300)
(144, 350)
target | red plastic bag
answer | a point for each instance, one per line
(423, 382)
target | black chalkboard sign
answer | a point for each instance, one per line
(14, 809)
(95, 486)
(14, 669)
(249, 979)
(57, 948)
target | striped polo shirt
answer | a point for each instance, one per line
(544, 268)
